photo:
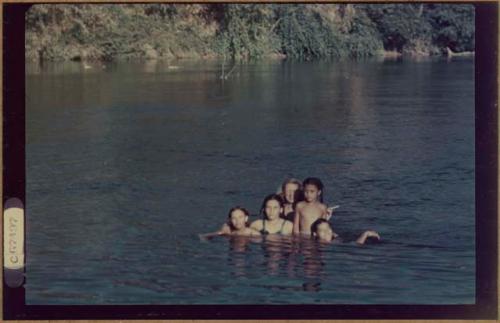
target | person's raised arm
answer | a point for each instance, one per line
(324, 211)
(329, 211)
(367, 234)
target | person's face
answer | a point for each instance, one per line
(324, 232)
(311, 193)
(273, 210)
(290, 189)
(238, 219)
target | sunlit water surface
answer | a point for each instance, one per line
(128, 163)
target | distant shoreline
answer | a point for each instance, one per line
(385, 54)
(242, 32)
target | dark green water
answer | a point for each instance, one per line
(127, 164)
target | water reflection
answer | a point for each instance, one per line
(282, 256)
(237, 255)
(277, 251)
(139, 148)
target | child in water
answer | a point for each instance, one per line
(291, 191)
(322, 230)
(308, 211)
(272, 223)
(236, 225)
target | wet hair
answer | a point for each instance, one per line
(298, 196)
(242, 209)
(316, 182)
(290, 181)
(268, 198)
(316, 224)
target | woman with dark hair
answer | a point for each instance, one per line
(322, 231)
(272, 222)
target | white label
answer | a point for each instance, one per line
(13, 234)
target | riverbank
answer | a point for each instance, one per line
(242, 32)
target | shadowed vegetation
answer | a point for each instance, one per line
(245, 31)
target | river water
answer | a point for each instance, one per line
(128, 162)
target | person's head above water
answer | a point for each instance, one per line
(322, 230)
(313, 189)
(272, 207)
(289, 189)
(238, 218)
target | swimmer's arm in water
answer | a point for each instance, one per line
(208, 236)
(296, 218)
(254, 233)
(367, 234)
(287, 228)
(336, 238)
(256, 225)
(224, 230)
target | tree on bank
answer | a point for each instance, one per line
(245, 31)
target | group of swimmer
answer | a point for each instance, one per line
(297, 209)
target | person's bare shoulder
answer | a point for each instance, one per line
(225, 229)
(300, 205)
(256, 225)
(252, 232)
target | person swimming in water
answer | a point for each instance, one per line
(322, 231)
(311, 209)
(272, 223)
(236, 225)
(291, 192)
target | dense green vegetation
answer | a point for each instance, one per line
(245, 31)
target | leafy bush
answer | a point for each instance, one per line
(453, 26)
(245, 31)
(362, 38)
(304, 34)
(399, 24)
